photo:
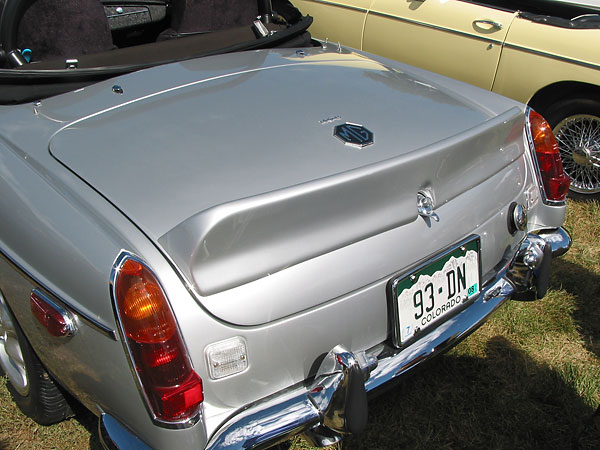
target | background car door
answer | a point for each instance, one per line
(456, 38)
(336, 20)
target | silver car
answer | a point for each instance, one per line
(223, 236)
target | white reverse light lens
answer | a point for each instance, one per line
(226, 357)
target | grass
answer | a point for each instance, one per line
(19, 432)
(528, 379)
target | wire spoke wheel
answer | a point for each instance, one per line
(578, 138)
(11, 355)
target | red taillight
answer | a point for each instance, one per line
(554, 179)
(173, 389)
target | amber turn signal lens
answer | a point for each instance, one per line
(144, 309)
(543, 137)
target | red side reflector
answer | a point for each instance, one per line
(54, 318)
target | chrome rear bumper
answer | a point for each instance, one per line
(334, 404)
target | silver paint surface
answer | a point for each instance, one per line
(258, 225)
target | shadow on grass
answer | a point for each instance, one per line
(90, 422)
(583, 197)
(502, 401)
(584, 286)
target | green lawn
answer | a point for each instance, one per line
(528, 379)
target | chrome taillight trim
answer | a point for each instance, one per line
(123, 256)
(538, 171)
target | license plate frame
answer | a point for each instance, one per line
(406, 284)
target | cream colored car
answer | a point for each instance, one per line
(545, 53)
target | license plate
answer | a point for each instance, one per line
(435, 290)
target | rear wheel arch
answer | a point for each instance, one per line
(573, 111)
(560, 91)
(34, 391)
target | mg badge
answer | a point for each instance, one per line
(353, 135)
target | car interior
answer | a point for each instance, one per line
(53, 46)
(49, 47)
(564, 14)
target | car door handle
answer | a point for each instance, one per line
(491, 23)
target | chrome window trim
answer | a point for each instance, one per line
(123, 256)
(49, 294)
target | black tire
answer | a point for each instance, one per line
(576, 125)
(44, 401)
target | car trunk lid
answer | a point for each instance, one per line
(238, 175)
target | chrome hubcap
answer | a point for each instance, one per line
(578, 140)
(582, 156)
(11, 356)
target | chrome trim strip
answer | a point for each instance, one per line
(551, 56)
(350, 7)
(93, 323)
(436, 27)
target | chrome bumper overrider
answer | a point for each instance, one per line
(335, 403)
(559, 240)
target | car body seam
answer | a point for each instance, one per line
(168, 90)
